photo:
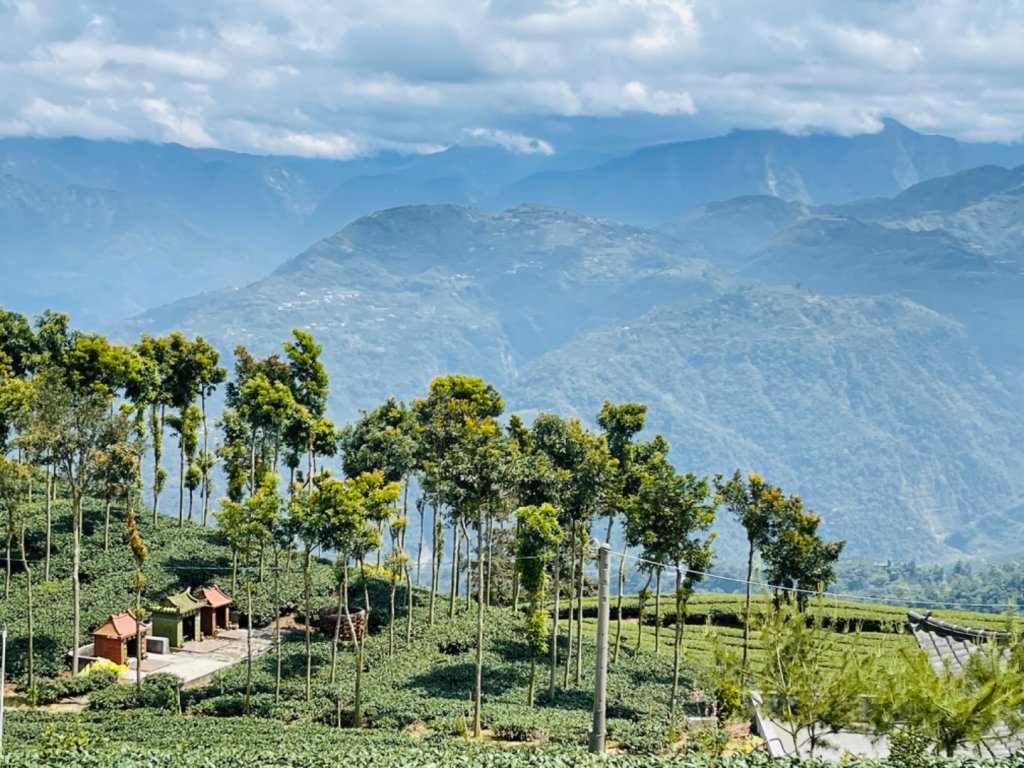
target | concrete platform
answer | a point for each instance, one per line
(198, 668)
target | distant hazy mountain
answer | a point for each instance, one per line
(100, 255)
(408, 294)
(250, 211)
(656, 183)
(955, 244)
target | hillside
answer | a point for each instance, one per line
(408, 294)
(877, 411)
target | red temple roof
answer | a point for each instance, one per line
(122, 626)
(215, 596)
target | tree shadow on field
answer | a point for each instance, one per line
(194, 573)
(452, 681)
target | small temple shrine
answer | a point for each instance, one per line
(115, 638)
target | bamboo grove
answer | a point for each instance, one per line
(448, 492)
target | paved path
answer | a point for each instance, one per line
(197, 662)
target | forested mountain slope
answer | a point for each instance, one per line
(884, 414)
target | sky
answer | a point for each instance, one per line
(344, 78)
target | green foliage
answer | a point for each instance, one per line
(950, 707)
(810, 682)
(51, 691)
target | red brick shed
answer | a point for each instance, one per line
(114, 639)
(214, 615)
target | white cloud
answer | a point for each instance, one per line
(181, 126)
(282, 141)
(342, 78)
(514, 142)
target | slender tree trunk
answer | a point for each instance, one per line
(7, 554)
(579, 618)
(478, 700)
(306, 622)
(455, 571)
(618, 604)
(469, 565)
(436, 552)
(419, 547)
(357, 645)
(642, 603)
(277, 625)
(408, 606)
(571, 600)
(746, 608)
(657, 610)
(248, 646)
(191, 500)
(676, 649)
(106, 525)
(76, 586)
(533, 679)
(342, 599)
(203, 493)
(490, 558)
(138, 634)
(515, 582)
(156, 423)
(181, 473)
(28, 606)
(234, 572)
(50, 493)
(391, 614)
(554, 626)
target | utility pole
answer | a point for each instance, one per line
(597, 728)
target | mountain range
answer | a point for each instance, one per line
(202, 206)
(847, 324)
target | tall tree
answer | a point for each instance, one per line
(306, 516)
(248, 526)
(464, 460)
(588, 472)
(538, 534)
(673, 512)
(797, 560)
(384, 440)
(154, 394)
(139, 553)
(208, 375)
(756, 506)
(73, 427)
(621, 423)
(307, 431)
(18, 516)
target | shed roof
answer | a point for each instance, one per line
(181, 603)
(120, 626)
(214, 596)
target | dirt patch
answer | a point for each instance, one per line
(288, 622)
(418, 730)
(71, 705)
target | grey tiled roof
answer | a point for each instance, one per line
(951, 644)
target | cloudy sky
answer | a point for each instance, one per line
(346, 77)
